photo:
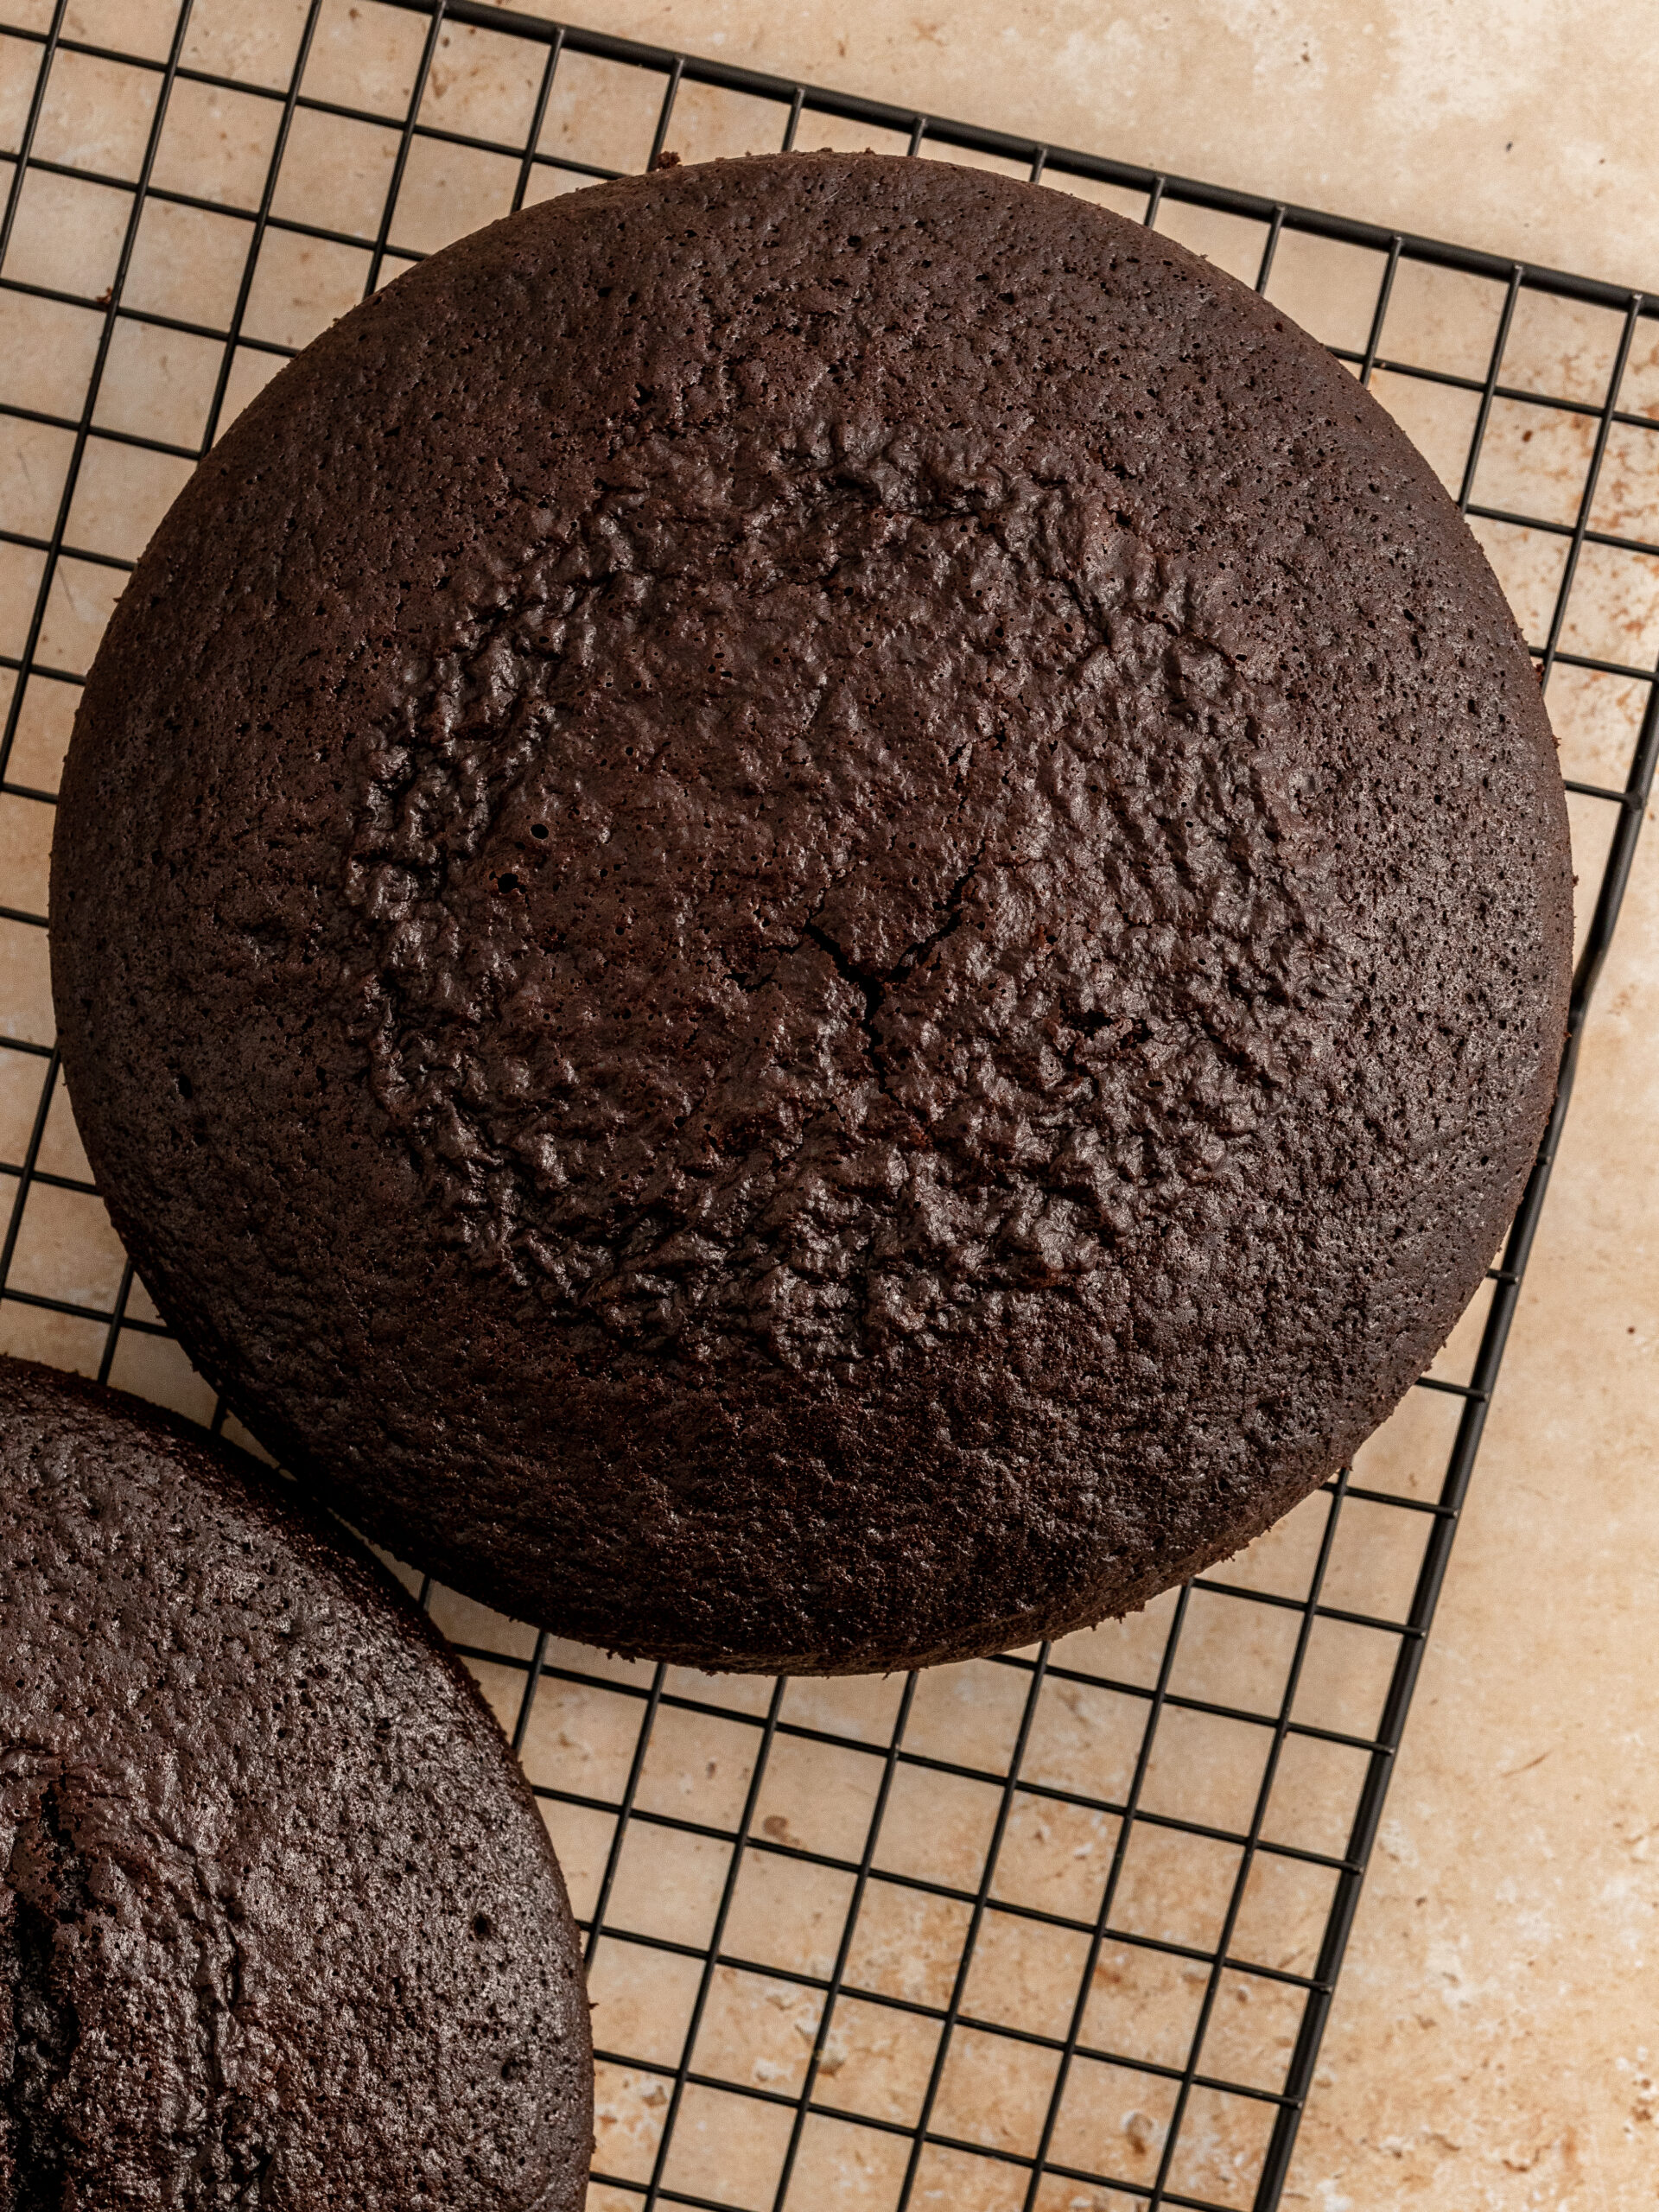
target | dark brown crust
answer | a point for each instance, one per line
(813, 912)
(277, 1910)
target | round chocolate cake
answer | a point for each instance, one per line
(279, 1923)
(812, 913)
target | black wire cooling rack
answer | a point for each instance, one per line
(1063, 1928)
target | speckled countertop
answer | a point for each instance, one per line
(1495, 2043)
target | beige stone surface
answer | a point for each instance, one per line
(1495, 2045)
(1508, 125)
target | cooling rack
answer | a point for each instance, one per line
(1057, 1929)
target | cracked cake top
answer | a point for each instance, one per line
(813, 912)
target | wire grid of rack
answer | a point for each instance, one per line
(1073, 1861)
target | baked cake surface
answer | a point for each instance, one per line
(279, 1922)
(812, 912)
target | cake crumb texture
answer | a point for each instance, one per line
(812, 912)
(279, 1922)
